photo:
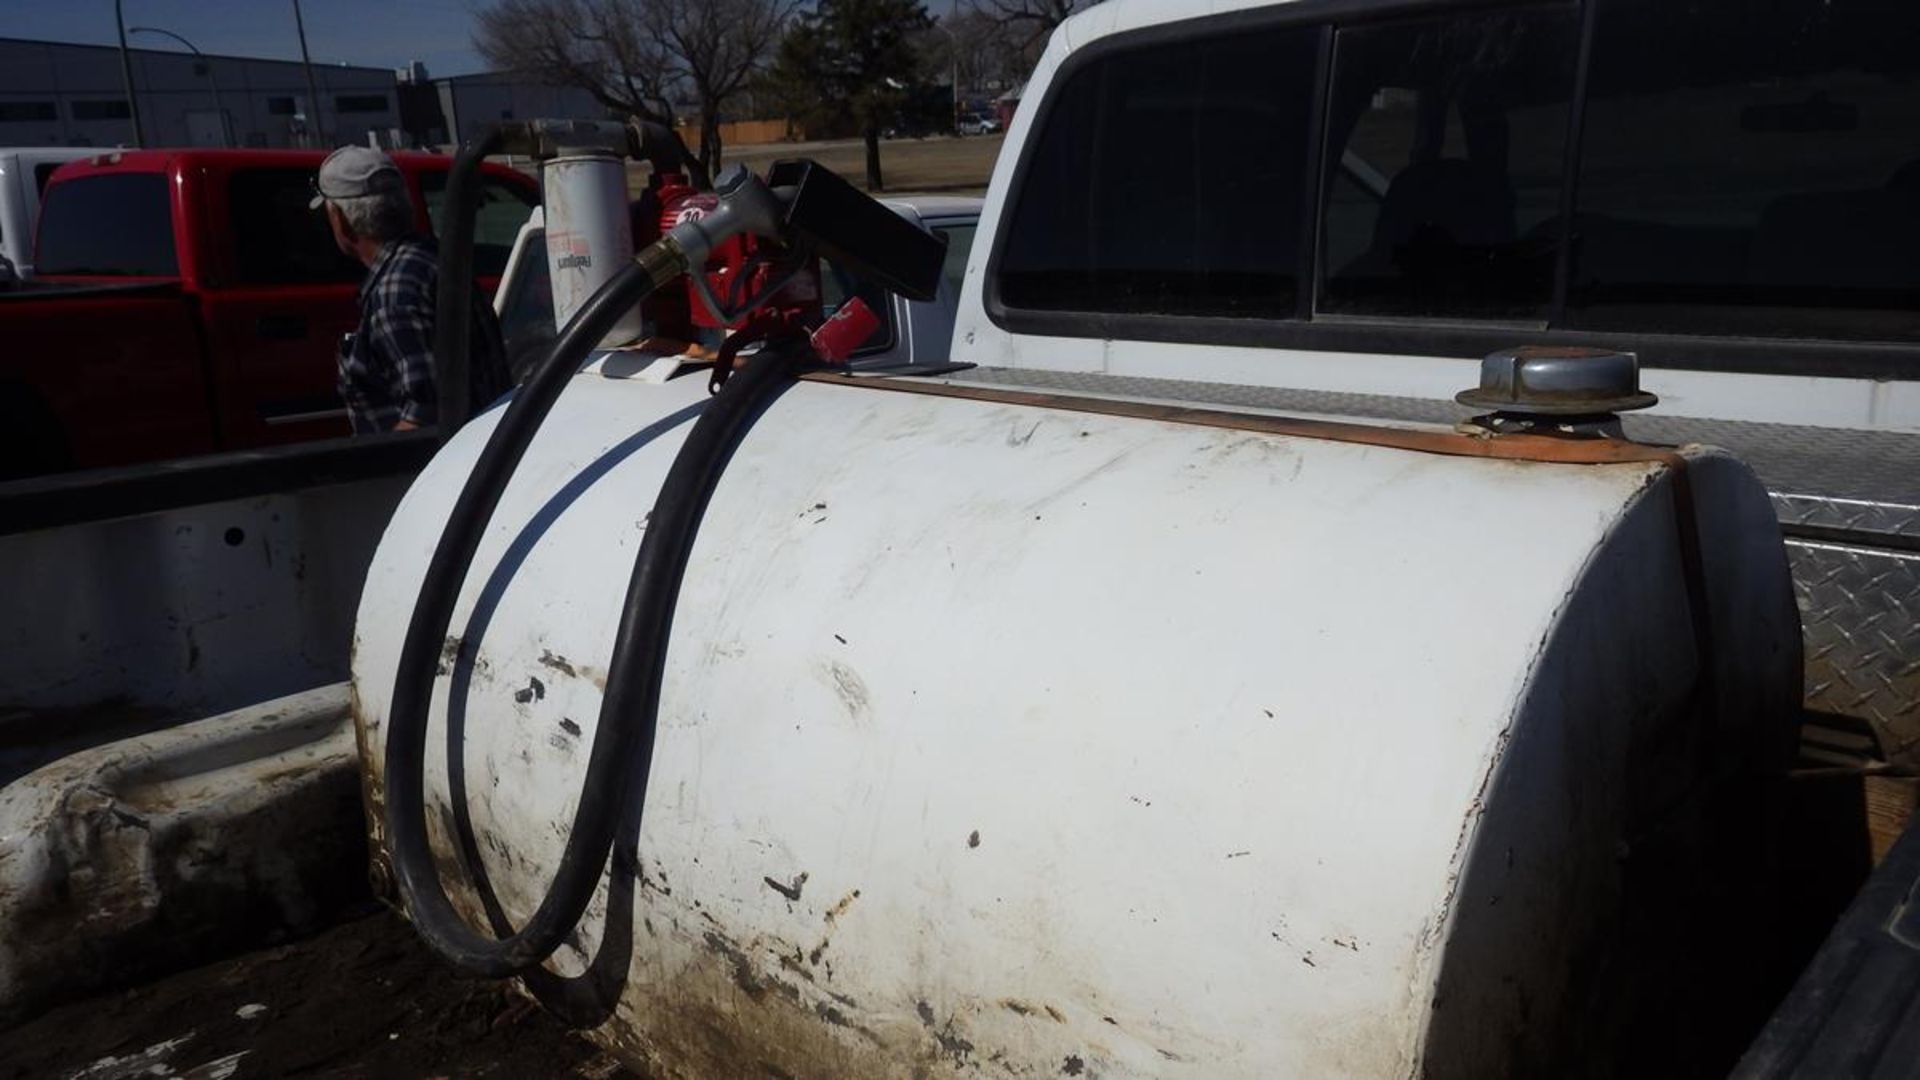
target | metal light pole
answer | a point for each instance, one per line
(226, 138)
(313, 91)
(953, 57)
(126, 76)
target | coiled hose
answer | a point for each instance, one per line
(622, 752)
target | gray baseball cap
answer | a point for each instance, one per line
(353, 171)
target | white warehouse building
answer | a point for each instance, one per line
(469, 103)
(58, 94)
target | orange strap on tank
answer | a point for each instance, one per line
(1543, 448)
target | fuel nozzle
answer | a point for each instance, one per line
(805, 211)
(746, 206)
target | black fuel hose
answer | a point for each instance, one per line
(624, 730)
(453, 299)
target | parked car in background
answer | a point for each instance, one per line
(189, 301)
(24, 172)
(915, 333)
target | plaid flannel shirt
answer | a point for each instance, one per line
(386, 367)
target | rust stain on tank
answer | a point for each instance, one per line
(572, 670)
(1034, 1009)
(840, 906)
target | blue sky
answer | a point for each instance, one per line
(377, 33)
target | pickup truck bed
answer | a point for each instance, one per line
(364, 998)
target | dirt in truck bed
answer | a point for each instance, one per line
(363, 999)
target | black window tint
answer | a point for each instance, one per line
(281, 106)
(277, 239)
(360, 103)
(1751, 169)
(1445, 148)
(44, 172)
(1168, 180)
(504, 207)
(113, 224)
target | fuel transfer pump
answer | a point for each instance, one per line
(768, 234)
(592, 231)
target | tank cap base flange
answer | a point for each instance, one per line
(1549, 380)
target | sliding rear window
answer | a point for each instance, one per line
(1446, 139)
(1742, 170)
(1751, 169)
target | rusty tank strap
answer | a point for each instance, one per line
(1545, 449)
(1542, 448)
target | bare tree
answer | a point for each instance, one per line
(972, 49)
(600, 46)
(1032, 20)
(718, 46)
(635, 56)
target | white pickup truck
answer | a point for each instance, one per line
(982, 679)
(23, 175)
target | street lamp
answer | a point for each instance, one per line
(213, 79)
(126, 76)
(313, 92)
(953, 58)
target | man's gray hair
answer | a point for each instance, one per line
(385, 215)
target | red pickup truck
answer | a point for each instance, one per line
(189, 301)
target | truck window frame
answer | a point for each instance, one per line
(1399, 336)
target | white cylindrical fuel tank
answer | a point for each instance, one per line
(1012, 736)
(589, 235)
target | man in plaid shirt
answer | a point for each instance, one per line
(386, 366)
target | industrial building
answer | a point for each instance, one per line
(58, 94)
(439, 111)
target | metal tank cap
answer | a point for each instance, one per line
(1552, 380)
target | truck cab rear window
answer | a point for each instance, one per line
(114, 224)
(1169, 180)
(1716, 170)
(1445, 145)
(1756, 174)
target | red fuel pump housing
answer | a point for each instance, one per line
(739, 268)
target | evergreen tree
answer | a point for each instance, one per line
(852, 63)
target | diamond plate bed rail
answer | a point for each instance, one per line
(1860, 620)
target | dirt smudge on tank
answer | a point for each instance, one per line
(848, 687)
